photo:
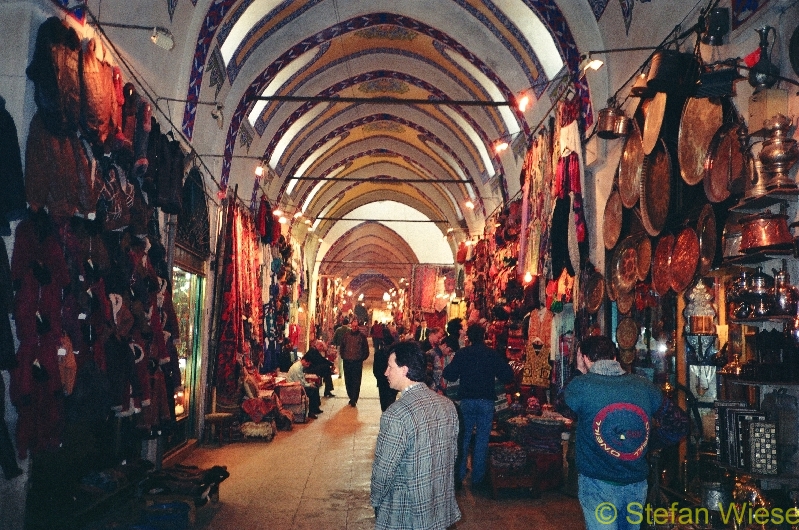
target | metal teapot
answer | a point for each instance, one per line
(760, 290)
(760, 283)
(785, 294)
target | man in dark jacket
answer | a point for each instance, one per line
(477, 366)
(320, 365)
(614, 414)
(387, 394)
(354, 351)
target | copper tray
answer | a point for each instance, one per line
(630, 166)
(644, 251)
(656, 189)
(724, 163)
(626, 355)
(611, 223)
(701, 118)
(653, 121)
(624, 301)
(627, 333)
(594, 292)
(684, 259)
(611, 290)
(624, 266)
(661, 273)
(706, 232)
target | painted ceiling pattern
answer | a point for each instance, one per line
(330, 152)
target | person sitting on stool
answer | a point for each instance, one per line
(320, 365)
(296, 374)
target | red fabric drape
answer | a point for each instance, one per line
(241, 328)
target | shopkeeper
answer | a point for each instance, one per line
(296, 374)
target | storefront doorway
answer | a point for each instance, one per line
(188, 291)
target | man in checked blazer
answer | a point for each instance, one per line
(413, 482)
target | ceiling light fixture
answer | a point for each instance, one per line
(259, 171)
(500, 145)
(587, 62)
(469, 204)
(523, 102)
(160, 36)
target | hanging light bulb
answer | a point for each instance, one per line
(259, 171)
(528, 277)
(469, 204)
(500, 145)
(523, 102)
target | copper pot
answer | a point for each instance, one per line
(765, 231)
(608, 123)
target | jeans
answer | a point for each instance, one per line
(476, 413)
(605, 505)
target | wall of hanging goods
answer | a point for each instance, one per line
(697, 236)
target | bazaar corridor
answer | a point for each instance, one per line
(317, 477)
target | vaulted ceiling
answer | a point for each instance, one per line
(285, 82)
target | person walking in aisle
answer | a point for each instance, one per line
(614, 411)
(354, 350)
(412, 484)
(477, 366)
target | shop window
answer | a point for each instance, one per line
(187, 296)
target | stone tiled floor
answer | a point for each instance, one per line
(317, 477)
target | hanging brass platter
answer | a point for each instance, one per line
(706, 232)
(684, 259)
(627, 333)
(724, 162)
(594, 292)
(653, 121)
(611, 221)
(661, 274)
(701, 118)
(625, 266)
(656, 189)
(643, 247)
(624, 301)
(630, 167)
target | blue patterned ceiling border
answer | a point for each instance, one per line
(522, 40)
(346, 83)
(553, 17)
(236, 63)
(213, 17)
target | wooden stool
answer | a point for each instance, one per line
(219, 422)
